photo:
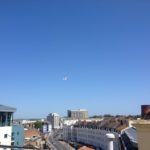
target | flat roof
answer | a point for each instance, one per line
(78, 110)
(141, 122)
(7, 109)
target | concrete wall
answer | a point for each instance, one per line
(5, 135)
(143, 132)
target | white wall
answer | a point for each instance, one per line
(95, 137)
(5, 130)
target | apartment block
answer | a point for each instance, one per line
(78, 114)
(54, 120)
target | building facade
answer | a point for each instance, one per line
(95, 134)
(17, 135)
(90, 136)
(5, 135)
(10, 134)
(46, 128)
(78, 114)
(6, 119)
(54, 120)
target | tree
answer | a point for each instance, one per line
(38, 124)
(96, 116)
(108, 115)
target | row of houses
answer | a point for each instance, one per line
(94, 133)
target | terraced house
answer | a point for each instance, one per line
(94, 134)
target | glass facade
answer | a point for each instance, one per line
(5, 119)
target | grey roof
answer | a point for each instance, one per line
(7, 109)
(132, 134)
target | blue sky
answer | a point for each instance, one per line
(70, 54)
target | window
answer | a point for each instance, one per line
(17, 143)
(17, 133)
(5, 135)
(12, 138)
(9, 119)
(3, 118)
(12, 134)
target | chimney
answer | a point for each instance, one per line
(110, 138)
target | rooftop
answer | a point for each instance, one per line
(132, 134)
(53, 114)
(142, 122)
(116, 124)
(79, 110)
(7, 109)
(85, 148)
(31, 133)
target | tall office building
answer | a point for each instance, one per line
(78, 114)
(54, 120)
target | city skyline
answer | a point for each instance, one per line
(60, 55)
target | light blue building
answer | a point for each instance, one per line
(17, 135)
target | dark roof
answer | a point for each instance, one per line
(115, 124)
(7, 109)
(132, 134)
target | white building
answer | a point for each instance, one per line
(6, 119)
(94, 132)
(46, 128)
(90, 136)
(54, 120)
